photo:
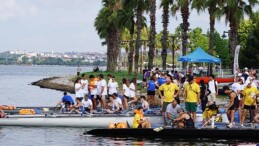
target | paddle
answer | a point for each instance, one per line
(209, 121)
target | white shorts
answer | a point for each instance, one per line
(212, 97)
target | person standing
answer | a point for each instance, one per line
(93, 90)
(249, 94)
(169, 89)
(213, 89)
(125, 92)
(112, 86)
(233, 105)
(132, 88)
(78, 88)
(192, 97)
(84, 82)
(102, 90)
(78, 70)
(203, 97)
(151, 90)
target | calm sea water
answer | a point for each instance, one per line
(15, 89)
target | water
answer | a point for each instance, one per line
(15, 89)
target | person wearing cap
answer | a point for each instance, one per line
(87, 104)
(184, 120)
(112, 86)
(249, 94)
(213, 89)
(169, 90)
(192, 97)
(233, 105)
(102, 90)
(139, 121)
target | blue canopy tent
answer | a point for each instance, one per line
(199, 55)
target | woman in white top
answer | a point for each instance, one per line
(112, 86)
(79, 88)
(125, 93)
(132, 91)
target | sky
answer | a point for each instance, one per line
(66, 25)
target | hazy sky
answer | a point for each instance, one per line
(64, 25)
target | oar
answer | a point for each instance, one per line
(209, 121)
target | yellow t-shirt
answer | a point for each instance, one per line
(169, 90)
(135, 121)
(192, 90)
(248, 93)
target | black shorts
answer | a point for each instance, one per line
(151, 92)
(126, 96)
(252, 107)
(144, 80)
(140, 126)
(233, 107)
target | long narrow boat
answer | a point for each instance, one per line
(223, 133)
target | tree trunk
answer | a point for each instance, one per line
(138, 43)
(212, 29)
(152, 35)
(233, 41)
(185, 26)
(165, 35)
(131, 44)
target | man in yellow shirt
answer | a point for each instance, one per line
(192, 97)
(249, 95)
(169, 90)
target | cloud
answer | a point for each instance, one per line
(12, 8)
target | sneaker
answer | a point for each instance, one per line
(242, 125)
(230, 125)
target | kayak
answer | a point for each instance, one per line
(219, 80)
(222, 133)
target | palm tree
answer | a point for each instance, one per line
(183, 6)
(165, 20)
(212, 6)
(107, 27)
(144, 39)
(152, 36)
(234, 11)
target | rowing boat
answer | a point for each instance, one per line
(223, 133)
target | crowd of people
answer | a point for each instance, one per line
(168, 86)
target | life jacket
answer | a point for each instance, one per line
(27, 112)
(118, 125)
(7, 107)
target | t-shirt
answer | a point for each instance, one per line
(87, 103)
(135, 121)
(161, 81)
(93, 90)
(101, 84)
(172, 110)
(126, 90)
(118, 101)
(85, 88)
(169, 90)
(112, 87)
(68, 98)
(192, 91)
(235, 87)
(132, 90)
(248, 93)
(212, 86)
(79, 92)
(151, 86)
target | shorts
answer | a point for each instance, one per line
(252, 107)
(127, 97)
(140, 126)
(212, 97)
(165, 105)
(191, 106)
(234, 107)
(93, 96)
(87, 109)
(151, 92)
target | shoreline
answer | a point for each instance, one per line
(56, 83)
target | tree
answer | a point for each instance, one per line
(107, 26)
(152, 36)
(183, 6)
(234, 11)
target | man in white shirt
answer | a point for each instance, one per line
(87, 104)
(117, 100)
(85, 84)
(171, 112)
(102, 90)
(213, 89)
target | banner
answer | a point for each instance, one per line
(236, 66)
